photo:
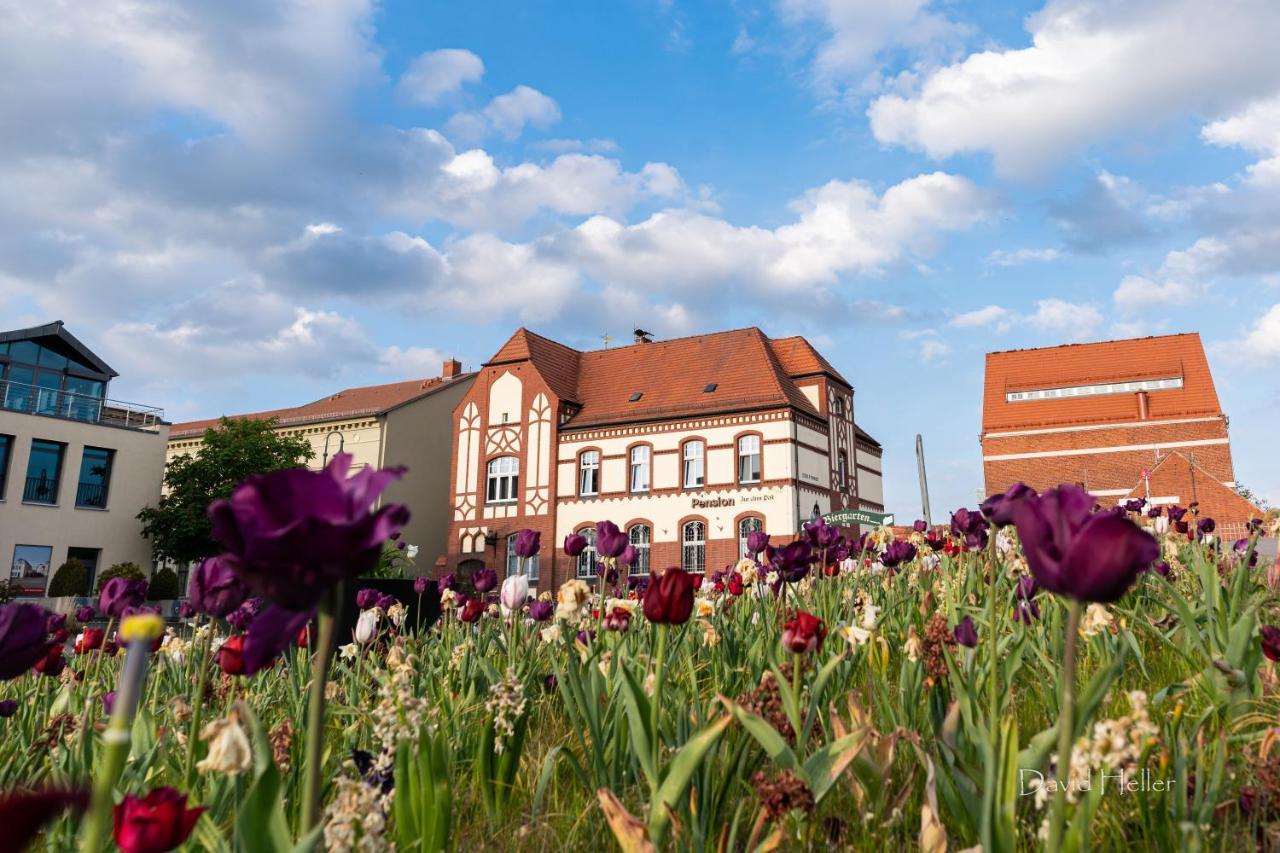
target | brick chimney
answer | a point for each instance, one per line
(1144, 405)
(452, 369)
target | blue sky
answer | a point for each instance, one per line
(248, 205)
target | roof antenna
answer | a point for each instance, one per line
(606, 337)
(643, 337)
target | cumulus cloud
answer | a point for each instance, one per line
(1092, 69)
(1137, 294)
(991, 315)
(1069, 321)
(506, 115)
(1256, 128)
(436, 74)
(1263, 340)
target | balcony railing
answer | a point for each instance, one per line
(22, 397)
(40, 490)
(91, 495)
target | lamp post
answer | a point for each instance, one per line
(341, 443)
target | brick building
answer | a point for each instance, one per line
(1129, 418)
(687, 444)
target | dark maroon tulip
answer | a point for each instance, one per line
(998, 509)
(1135, 506)
(574, 544)
(8, 708)
(366, 598)
(421, 585)
(24, 813)
(90, 639)
(1079, 554)
(158, 822)
(610, 541)
(53, 663)
(899, 551)
(1270, 635)
(269, 634)
(1026, 587)
(803, 633)
(242, 617)
(618, 619)
(528, 543)
(296, 532)
(1176, 513)
(484, 580)
(541, 611)
(23, 639)
(118, 594)
(757, 541)
(792, 560)
(1205, 526)
(669, 598)
(971, 527)
(84, 614)
(215, 588)
(472, 610)
(966, 634)
(1026, 612)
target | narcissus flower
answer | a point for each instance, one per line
(1075, 552)
(528, 543)
(669, 598)
(158, 822)
(966, 634)
(803, 633)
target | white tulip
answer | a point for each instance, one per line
(515, 591)
(367, 626)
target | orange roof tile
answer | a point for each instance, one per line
(1164, 357)
(350, 402)
(798, 358)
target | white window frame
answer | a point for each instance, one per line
(585, 567)
(513, 562)
(589, 473)
(503, 480)
(694, 459)
(641, 538)
(749, 448)
(693, 551)
(638, 469)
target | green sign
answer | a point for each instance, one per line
(850, 517)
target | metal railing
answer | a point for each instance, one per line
(92, 495)
(41, 490)
(23, 397)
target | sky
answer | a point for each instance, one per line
(246, 205)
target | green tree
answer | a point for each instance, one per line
(179, 527)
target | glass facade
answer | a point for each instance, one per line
(6, 450)
(95, 478)
(44, 381)
(44, 469)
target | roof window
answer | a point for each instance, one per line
(709, 388)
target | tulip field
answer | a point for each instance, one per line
(1040, 673)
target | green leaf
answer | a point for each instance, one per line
(638, 711)
(767, 736)
(680, 774)
(824, 767)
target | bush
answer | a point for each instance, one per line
(8, 591)
(71, 578)
(121, 570)
(164, 586)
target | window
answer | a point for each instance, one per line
(749, 459)
(693, 554)
(44, 467)
(842, 469)
(640, 468)
(693, 469)
(30, 570)
(746, 527)
(513, 562)
(88, 557)
(504, 480)
(837, 406)
(1095, 390)
(6, 450)
(587, 559)
(17, 388)
(641, 538)
(589, 473)
(95, 477)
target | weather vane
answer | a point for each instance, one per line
(606, 338)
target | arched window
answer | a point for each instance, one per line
(749, 459)
(587, 559)
(589, 473)
(694, 475)
(640, 468)
(513, 562)
(746, 527)
(504, 480)
(641, 538)
(693, 553)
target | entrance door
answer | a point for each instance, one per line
(467, 568)
(89, 557)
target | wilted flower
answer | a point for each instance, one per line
(215, 588)
(229, 750)
(155, 823)
(515, 592)
(571, 598)
(669, 598)
(803, 633)
(855, 635)
(1096, 620)
(966, 634)
(118, 594)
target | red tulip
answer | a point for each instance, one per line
(231, 655)
(669, 597)
(803, 633)
(735, 584)
(304, 637)
(91, 639)
(618, 620)
(472, 610)
(52, 663)
(1270, 641)
(155, 823)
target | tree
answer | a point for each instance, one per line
(71, 578)
(179, 527)
(1251, 496)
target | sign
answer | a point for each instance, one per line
(712, 503)
(850, 517)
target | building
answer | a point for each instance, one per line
(1129, 418)
(401, 423)
(688, 444)
(76, 467)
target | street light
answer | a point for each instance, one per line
(341, 443)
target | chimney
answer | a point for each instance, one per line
(452, 369)
(1144, 405)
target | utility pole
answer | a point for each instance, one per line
(924, 480)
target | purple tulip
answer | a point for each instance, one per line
(610, 541)
(8, 708)
(366, 598)
(998, 509)
(55, 622)
(186, 610)
(84, 614)
(108, 702)
(1154, 512)
(966, 634)
(244, 615)
(629, 556)
(550, 683)
(970, 526)
(1161, 568)
(449, 581)
(574, 544)
(421, 585)
(1073, 552)
(1026, 612)
(1270, 637)
(1135, 506)
(270, 634)
(757, 541)
(215, 589)
(120, 593)
(920, 525)
(1176, 513)
(1205, 526)
(792, 560)
(820, 534)
(484, 580)
(23, 638)
(297, 532)
(528, 543)
(386, 602)
(899, 551)
(1026, 587)
(541, 611)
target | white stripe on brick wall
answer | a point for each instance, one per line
(1050, 430)
(1089, 451)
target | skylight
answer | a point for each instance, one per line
(709, 388)
(636, 396)
(1095, 390)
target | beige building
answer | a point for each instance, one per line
(76, 467)
(401, 423)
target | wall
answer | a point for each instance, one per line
(137, 469)
(361, 437)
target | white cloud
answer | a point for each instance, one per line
(1258, 129)
(432, 76)
(1073, 321)
(990, 315)
(1093, 69)
(1263, 340)
(1017, 257)
(1139, 294)
(507, 115)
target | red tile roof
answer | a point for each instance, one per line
(350, 402)
(1164, 357)
(748, 369)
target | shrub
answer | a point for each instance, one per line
(121, 570)
(164, 586)
(8, 591)
(71, 578)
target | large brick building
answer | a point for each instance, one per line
(687, 444)
(1129, 418)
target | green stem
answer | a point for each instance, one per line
(1066, 728)
(655, 707)
(116, 745)
(189, 770)
(993, 699)
(314, 761)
